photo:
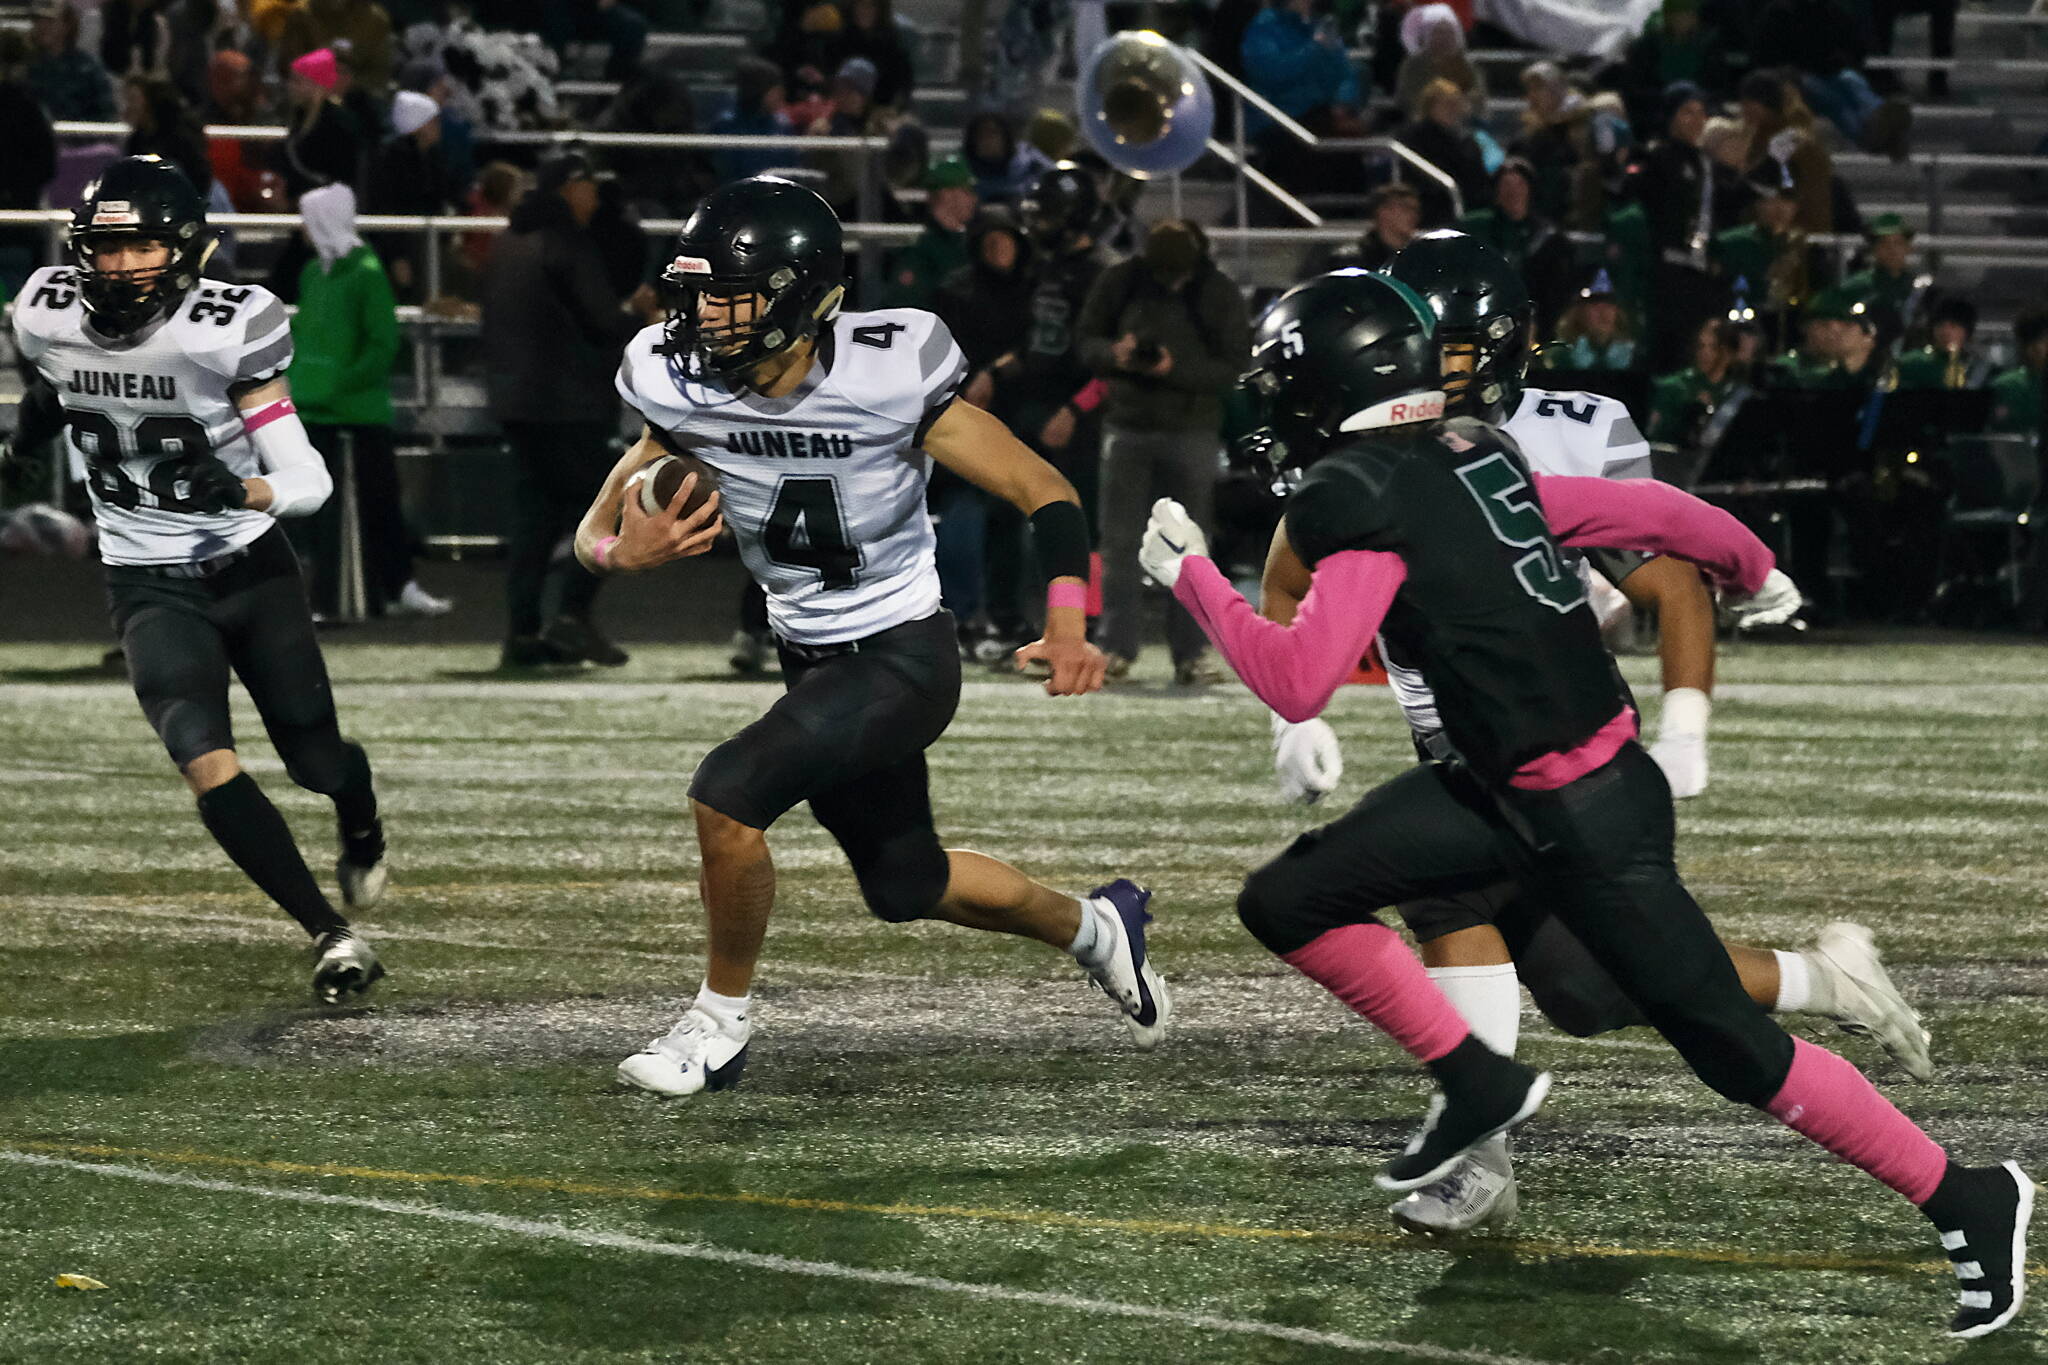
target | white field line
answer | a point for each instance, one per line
(373, 931)
(692, 1251)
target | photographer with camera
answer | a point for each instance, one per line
(1168, 332)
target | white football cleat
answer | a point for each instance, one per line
(1125, 973)
(414, 600)
(1866, 1001)
(1478, 1194)
(361, 870)
(694, 1055)
(344, 966)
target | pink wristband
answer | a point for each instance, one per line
(1073, 595)
(601, 549)
(1090, 397)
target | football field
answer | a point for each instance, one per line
(946, 1149)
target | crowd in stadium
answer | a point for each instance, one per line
(1668, 210)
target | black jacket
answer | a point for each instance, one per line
(327, 151)
(552, 327)
(28, 161)
(1202, 325)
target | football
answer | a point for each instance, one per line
(41, 529)
(658, 480)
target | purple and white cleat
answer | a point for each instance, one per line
(1123, 971)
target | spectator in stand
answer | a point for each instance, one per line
(344, 340)
(324, 145)
(1889, 286)
(1395, 211)
(1004, 169)
(161, 124)
(1595, 334)
(2016, 393)
(1783, 142)
(362, 25)
(28, 160)
(1552, 138)
(757, 109)
(661, 181)
(870, 32)
(1297, 62)
(1533, 244)
(916, 272)
(1168, 331)
(803, 47)
(1946, 361)
(1439, 134)
(370, 111)
(1767, 265)
(168, 38)
(1726, 143)
(986, 304)
(1941, 34)
(427, 76)
(620, 26)
(552, 330)
(70, 82)
(499, 187)
(1681, 404)
(1435, 43)
(851, 114)
(407, 176)
(1682, 191)
(1821, 41)
(1676, 45)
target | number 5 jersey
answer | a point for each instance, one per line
(824, 487)
(137, 409)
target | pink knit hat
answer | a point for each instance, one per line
(317, 66)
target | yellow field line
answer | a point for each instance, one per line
(1526, 1246)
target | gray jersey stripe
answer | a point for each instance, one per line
(1623, 432)
(268, 358)
(1634, 467)
(265, 318)
(932, 355)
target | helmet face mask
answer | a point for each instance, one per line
(138, 202)
(1485, 320)
(758, 269)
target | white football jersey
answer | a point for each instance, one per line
(824, 488)
(136, 407)
(1580, 435)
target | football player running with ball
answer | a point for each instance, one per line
(820, 427)
(1436, 533)
(172, 389)
(1474, 942)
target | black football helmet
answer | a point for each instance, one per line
(1483, 309)
(1064, 206)
(766, 239)
(1343, 352)
(138, 199)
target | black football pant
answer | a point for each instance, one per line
(849, 736)
(557, 470)
(1597, 853)
(182, 636)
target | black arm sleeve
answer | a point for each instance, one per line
(1060, 531)
(40, 415)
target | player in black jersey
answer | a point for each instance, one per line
(1436, 533)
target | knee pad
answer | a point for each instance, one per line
(904, 883)
(1744, 1059)
(1263, 909)
(1580, 1011)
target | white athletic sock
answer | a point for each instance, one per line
(729, 1012)
(1091, 944)
(1489, 998)
(1795, 982)
(1805, 984)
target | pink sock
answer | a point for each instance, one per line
(1370, 969)
(1829, 1101)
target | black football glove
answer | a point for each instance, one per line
(214, 487)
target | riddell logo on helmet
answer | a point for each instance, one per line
(1395, 412)
(692, 265)
(114, 212)
(1426, 409)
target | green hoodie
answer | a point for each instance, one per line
(344, 340)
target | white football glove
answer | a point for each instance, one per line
(1307, 758)
(1775, 603)
(1170, 536)
(1681, 747)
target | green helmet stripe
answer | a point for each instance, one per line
(1424, 314)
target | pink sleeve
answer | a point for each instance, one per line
(1295, 669)
(1642, 514)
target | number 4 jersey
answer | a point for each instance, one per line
(824, 488)
(137, 408)
(1492, 613)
